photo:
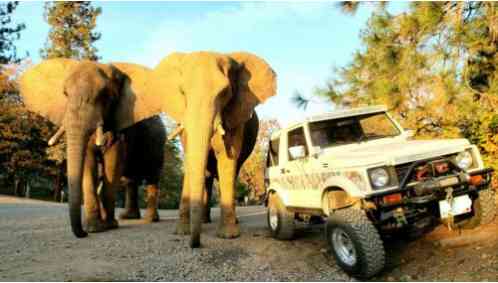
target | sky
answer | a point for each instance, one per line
(302, 41)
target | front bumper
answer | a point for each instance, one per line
(418, 202)
(460, 182)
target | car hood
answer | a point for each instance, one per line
(391, 152)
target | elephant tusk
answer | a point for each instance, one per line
(99, 136)
(176, 132)
(220, 130)
(53, 140)
(218, 125)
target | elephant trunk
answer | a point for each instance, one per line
(199, 127)
(77, 140)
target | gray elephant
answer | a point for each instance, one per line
(94, 104)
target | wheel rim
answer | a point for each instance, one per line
(343, 246)
(273, 218)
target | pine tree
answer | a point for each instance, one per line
(72, 32)
(9, 33)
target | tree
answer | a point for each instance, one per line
(23, 137)
(72, 32)
(22, 134)
(252, 174)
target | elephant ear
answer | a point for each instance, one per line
(132, 106)
(42, 88)
(166, 80)
(253, 82)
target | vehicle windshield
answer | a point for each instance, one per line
(352, 129)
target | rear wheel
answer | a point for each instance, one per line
(280, 220)
(355, 243)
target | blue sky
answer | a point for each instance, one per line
(302, 41)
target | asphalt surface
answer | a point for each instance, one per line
(36, 245)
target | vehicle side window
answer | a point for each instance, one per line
(273, 148)
(297, 138)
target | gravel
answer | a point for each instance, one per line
(36, 245)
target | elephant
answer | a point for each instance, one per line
(248, 142)
(94, 104)
(144, 158)
(212, 97)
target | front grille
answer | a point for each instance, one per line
(402, 169)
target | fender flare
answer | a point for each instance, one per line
(346, 194)
(282, 194)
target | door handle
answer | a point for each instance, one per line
(283, 170)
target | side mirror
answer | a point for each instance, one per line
(298, 151)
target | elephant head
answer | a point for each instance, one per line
(208, 93)
(86, 99)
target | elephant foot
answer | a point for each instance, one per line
(228, 231)
(130, 214)
(182, 228)
(95, 226)
(151, 215)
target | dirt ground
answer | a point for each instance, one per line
(36, 245)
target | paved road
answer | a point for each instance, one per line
(37, 245)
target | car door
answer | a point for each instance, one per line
(295, 168)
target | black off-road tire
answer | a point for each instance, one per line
(285, 226)
(368, 246)
(484, 209)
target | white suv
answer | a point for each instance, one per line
(361, 170)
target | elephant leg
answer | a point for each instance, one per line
(91, 201)
(227, 171)
(183, 225)
(132, 211)
(113, 169)
(206, 200)
(151, 214)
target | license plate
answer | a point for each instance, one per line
(459, 205)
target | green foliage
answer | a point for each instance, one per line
(171, 178)
(72, 30)
(241, 191)
(9, 32)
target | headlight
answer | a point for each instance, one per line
(464, 160)
(379, 177)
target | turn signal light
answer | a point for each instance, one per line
(476, 180)
(394, 198)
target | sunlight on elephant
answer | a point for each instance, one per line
(92, 103)
(212, 96)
